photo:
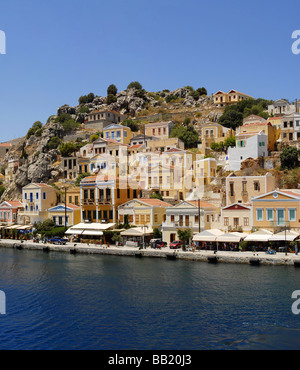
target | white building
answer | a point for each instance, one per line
(281, 107)
(248, 145)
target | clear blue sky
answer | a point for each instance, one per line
(60, 50)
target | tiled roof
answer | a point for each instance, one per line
(203, 204)
(155, 202)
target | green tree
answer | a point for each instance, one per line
(184, 235)
(231, 119)
(202, 91)
(135, 85)
(54, 142)
(156, 195)
(289, 158)
(94, 138)
(112, 90)
(66, 149)
(80, 177)
(187, 134)
(230, 141)
(111, 99)
(131, 124)
(36, 129)
(2, 190)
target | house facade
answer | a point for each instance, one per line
(141, 212)
(65, 216)
(119, 133)
(264, 126)
(194, 215)
(241, 189)
(236, 217)
(159, 129)
(248, 145)
(101, 118)
(280, 107)
(222, 98)
(290, 127)
(36, 200)
(277, 210)
(100, 198)
(212, 132)
(9, 212)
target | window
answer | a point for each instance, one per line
(112, 134)
(236, 221)
(231, 189)
(226, 221)
(107, 135)
(280, 217)
(270, 214)
(44, 195)
(125, 133)
(246, 221)
(259, 214)
(118, 133)
(292, 214)
(256, 186)
(25, 195)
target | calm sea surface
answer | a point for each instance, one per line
(62, 301)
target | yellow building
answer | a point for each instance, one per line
(258, 126)
(141, 212)
(165, 144)
(159, 129)
(213, 132)
(100, 198)
(122, 134)
(205, 171)
(37, 199)
(222, 98)
(277, 209)
(276, 122)
(240, 189)
(73, 195)
(59, 213)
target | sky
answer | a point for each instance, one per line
(58, 50)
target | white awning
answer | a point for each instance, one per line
(92, 232)
(259, 236)
(233, 237)
(207, 235)
(92, 228)
(288, 235)
(137, 231)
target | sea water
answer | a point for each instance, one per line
(62, 301)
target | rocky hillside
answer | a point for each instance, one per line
(39, 161)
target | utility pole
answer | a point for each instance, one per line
(199, 214)
(65, 207)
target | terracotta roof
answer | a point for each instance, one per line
(135, 146)
(155, 202)
(5, 144)
(290, 192)
(257, 124)
(42, 185)
(14, 203)
(203, 204)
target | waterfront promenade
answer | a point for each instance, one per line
(197, 255)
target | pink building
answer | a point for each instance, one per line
(9, 211)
